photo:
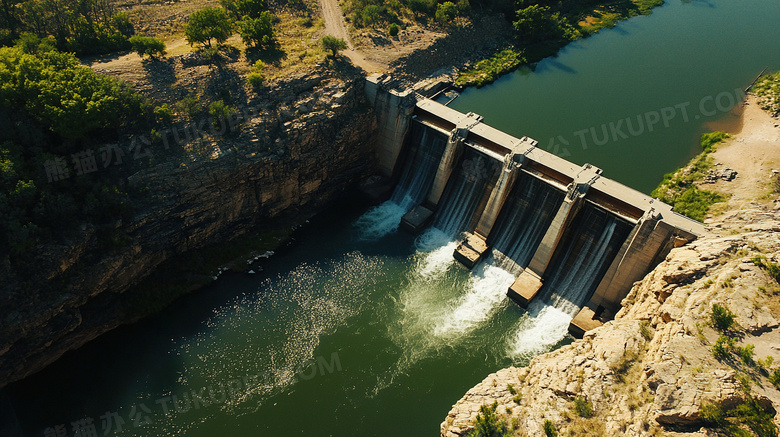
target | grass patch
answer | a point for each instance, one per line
(621, 368)
(678, 189)
(736, 421)
(583, 407)
(608, 16)
(488, 70)
(767, 89)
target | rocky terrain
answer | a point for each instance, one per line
(659, 368)
(295, 148)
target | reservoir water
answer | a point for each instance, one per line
(357, 329)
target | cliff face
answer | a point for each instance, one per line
(652, 368)
(302, 144)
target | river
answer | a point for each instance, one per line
(355, 329)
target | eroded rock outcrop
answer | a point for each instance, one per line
(650, 370)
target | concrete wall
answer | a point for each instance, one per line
(394, 111)
(657, 229)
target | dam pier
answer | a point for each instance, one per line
(571, 237)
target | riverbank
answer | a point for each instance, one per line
(657, 368)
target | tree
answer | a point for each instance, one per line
(257, 31)
(146, 45)
(333, 44)
(421, 6)
(536, 23)
(207, 24)
(446, 12)
(238, 9)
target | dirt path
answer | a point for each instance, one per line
(335, 26)
(753, 151)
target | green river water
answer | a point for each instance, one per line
(356, 329)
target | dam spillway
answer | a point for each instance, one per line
(573, 238)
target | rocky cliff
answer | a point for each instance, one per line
(663, 367)
(297, 146)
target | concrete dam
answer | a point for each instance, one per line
(572, 238)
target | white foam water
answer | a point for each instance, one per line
(380, 220)
(540, 332)
(439, 247)
(486, 289)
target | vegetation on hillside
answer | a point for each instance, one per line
(542, 27)
(767, 89)
(58, 112)
(80, 26)
(679, 188)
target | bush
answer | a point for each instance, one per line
(421, 6)
(487, 423)
(393, 29)
(238, 9)
(207, 24)
(30, 43)
(536, 23)
(549, 429)
(257, 31)
(774, 377)
(189, 106)
(371, 15)
(710, 139)
(255, 79)
(333, 44)
(746, 354)
(220, 111)
(722, 348)
(146, 45)
(722, 319)
(583, 407)
(66, 97)
(446, 12)
(163, 114)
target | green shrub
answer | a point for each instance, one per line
(392, 30)
(256, 80)
(537, 23)
(333, 44)
(257, 31)
(746, 354)
(371, 15)
(710, 139)
(220, 111)
(722, 319)
(146, 45)
(446, 12)
(189, 105)
(549, 429)
(163, 113)
(511, 389)
(583, 407)
(238, 9)
(722, 348)
(487, 423)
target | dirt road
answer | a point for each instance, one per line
(335, 26)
